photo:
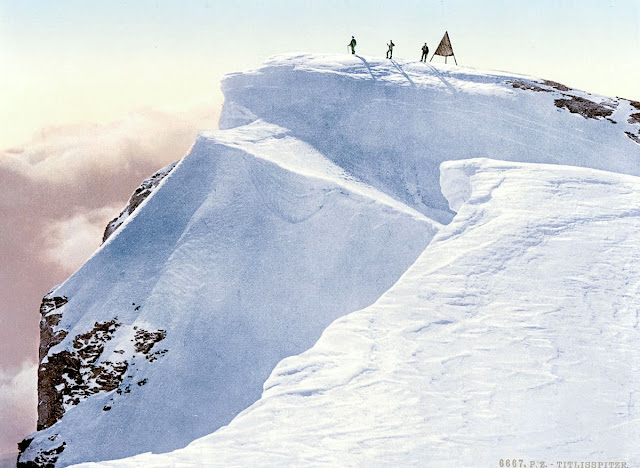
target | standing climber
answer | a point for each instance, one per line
(391, 45)
(425, 52)
(352, 44)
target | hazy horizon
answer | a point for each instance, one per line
(71, 62)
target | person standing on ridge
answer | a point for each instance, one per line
(391, 45)
(425, 52)
(352, 44)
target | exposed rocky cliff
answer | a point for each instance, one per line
(68, 376)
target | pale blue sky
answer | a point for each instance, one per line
(66, 61)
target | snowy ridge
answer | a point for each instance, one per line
(232, 264)
(271, 143)
(390, 123)
(515, 334)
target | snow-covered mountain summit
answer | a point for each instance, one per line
(318, 193)
(391, 123)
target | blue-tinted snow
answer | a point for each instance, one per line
(390, 123)
(514, 335)
(310, 204)
(243, 263)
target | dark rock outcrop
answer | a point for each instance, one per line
(145, 341)
(586, 108)
(556, 85)
(634, 118)
(50, 315)
(66, 377)
(540, 87)
(44, 458)
(633, 137)
(529, 86)
(145, 189)
(70, 375)
(574, 104)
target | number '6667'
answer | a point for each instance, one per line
(511, 463)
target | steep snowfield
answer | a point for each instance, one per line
(241, 257)
(514, 335)
(320, 191)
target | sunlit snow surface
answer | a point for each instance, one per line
(390, 123)
(515, 334)
(515, 331)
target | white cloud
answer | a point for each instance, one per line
(67, 155)
(18, 403)
(70, 242)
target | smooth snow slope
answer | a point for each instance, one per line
(390, 123)
(241, 257)
(514, 335)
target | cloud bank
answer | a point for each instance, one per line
(71, 241)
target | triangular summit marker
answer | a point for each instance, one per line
(445, 49)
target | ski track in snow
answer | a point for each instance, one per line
(515, 334)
